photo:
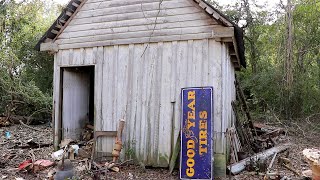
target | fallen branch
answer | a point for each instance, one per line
(120, 164)
(291, 169)
(272, 161)
(15, 119)
(241, 165)
(29, 126)
(100, 168)
(96, 165)
(269, 173)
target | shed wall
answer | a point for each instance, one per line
(115, 22)
(228, 94)
(142, 82)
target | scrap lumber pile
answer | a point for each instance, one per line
(253, 137)
(258, 149)
(251, 144)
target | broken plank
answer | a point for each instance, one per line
(240, 166)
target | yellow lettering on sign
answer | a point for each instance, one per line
(190, 163)
(191, 144)
(203, 115)
(203, 142)
(191, 153)
(190, 172)
(203, 134)
(191, 124)
(191, 115)
(191, 105)
(191, 95)
(202, 150)
(203, 126)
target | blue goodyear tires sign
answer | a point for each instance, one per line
(196, 133)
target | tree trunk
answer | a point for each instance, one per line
(288, 63)
(251, 36)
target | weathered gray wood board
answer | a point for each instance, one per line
(115, 22)
(227, 115)
(75, 103)
(56, 101)
(142, 83)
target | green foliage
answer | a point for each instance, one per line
(265, 37)
(25, 74)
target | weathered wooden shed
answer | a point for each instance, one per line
(129, 59)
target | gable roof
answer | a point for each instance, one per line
(75, 5)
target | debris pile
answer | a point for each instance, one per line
(264, 150)
(28, 154)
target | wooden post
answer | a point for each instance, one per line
(118, 144)
(175, 154)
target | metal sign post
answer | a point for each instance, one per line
(196, 133)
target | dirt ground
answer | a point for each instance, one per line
(11, 156)
(304, 135)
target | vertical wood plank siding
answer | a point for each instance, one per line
(142, 82)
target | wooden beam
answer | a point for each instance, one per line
(54, 31)
(227, 40)
(49, 46)
(235, 46)
(213, 13)
(223, 32)
(105, 133)
(75, 4)
(68, 13)
(71, 17)
(62, 21)
(234, 59)
(175, 154)
(232, 52)
(59, 26)
(47, 40)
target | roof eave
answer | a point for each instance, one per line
(238, 32)
(58, 25)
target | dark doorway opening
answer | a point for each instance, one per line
(77, 108)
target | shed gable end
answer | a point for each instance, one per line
(103, 23)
